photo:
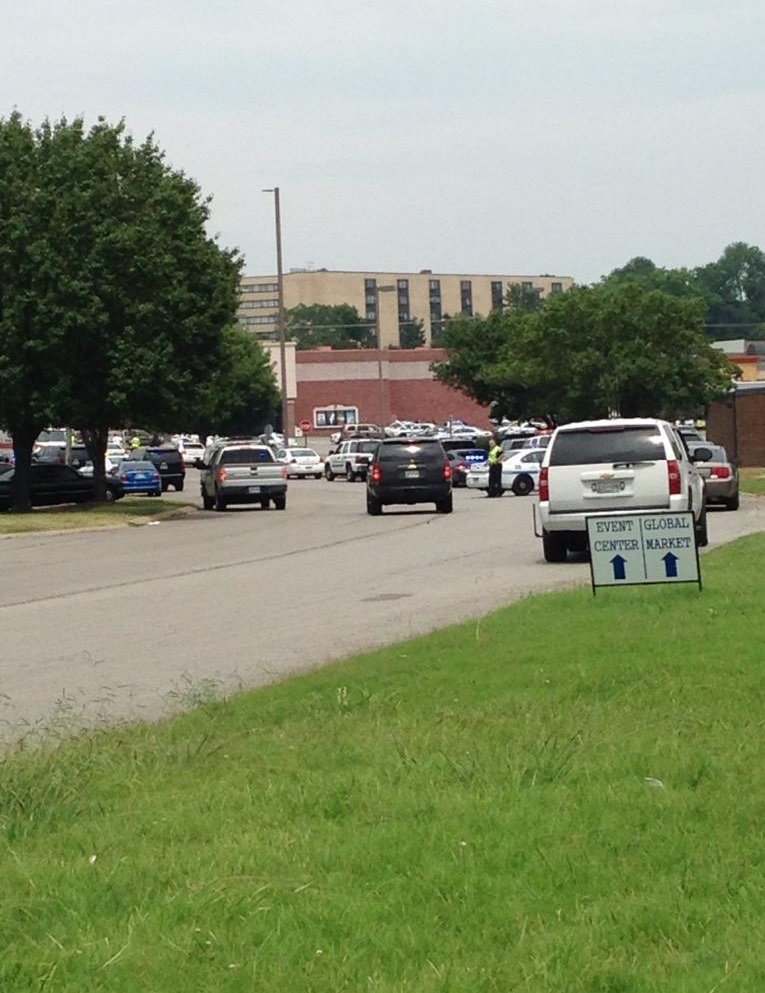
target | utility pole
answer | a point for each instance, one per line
(281, 315)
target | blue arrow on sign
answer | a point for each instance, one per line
(619, 563)
(670, 565)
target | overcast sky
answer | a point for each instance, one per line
(498, 136)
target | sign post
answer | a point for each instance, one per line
(643, 549)
(305, 427)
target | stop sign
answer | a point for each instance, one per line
(305, 426)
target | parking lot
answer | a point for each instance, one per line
(133, 622)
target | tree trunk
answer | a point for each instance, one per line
(23, 436)
(95, 440)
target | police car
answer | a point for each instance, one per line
(520, 472)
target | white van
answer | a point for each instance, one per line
(619, 465)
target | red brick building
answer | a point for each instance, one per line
(370, 386)
(739, 425)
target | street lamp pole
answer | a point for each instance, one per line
(380, 381)
(280, 320)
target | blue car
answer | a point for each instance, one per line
(140, 477)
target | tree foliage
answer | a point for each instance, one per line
(591, 352)
(411, 334)
(323, 325)
(241, 395)
(110, 288)
(525, 299)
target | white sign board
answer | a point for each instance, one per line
(634, 549)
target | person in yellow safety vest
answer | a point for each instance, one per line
(135, 443)
(495, 469)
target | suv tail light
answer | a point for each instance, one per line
(720, 472)
(285, 473)
(222, 474)
(673, 477)
(544, 484)
(376, 472)
(447, 471)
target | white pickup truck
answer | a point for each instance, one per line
(351, 460)
(238, 472)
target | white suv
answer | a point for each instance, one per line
(619, 465)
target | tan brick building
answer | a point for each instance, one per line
(425, 295)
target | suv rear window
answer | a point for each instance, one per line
(365, 446)
(407, 450)
(245, 456)
(591, 446)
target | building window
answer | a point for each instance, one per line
(466, 296)
(496, 295)
(435, 286)
(259, 288)
(527, 285)
(331, 417)
(258, 304)
(556, 288)
(265, 319)
(403, 314)
(370, 284)
(403, 284)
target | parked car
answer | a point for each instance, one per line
(688, 433)
(520, 472)
(357, 431)
(405, 471)
(301, 462)
(168, 461)
(400, 429)
(351, 460)
(140, 477)
(192, 450)
(720, 474)
(462, 461)
(238, 472)
(52, 483)
(616, 466)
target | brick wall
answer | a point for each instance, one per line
(409, 391)
(740, 428)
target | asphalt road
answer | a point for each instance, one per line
(136, 622)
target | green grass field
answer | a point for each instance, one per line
(70, 518)
(566, 796)
(753, 481)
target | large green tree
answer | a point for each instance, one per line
(411, 334)
(121, 256)
(323, 325)
(591, 352)
(241, 395)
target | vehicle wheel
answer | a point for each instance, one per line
(328, 472)
(702, 535)
(522, 485)
(445, 506)
(734, 502)
(109, 495)
(317, 476)
(220, 503)
(164, 486)
(374, 507)
(265, 503)
(280, 502)
(207, 502)
(157, 493)
(554, 546)
(350, 475)
(179, 487)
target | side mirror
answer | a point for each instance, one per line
(702, 455)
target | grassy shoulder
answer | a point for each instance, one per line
(566, 795)
(71, 518)
(752, 481)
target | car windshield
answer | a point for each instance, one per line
(163, 454)
(246, 456)
(136, 466)
(596, 445)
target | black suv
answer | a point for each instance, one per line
(409, 471)
(169, 463)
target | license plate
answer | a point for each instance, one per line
(411, 474)
(163, 465)
(609, 486)
(253, 489)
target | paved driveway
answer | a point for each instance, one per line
(136, 621)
